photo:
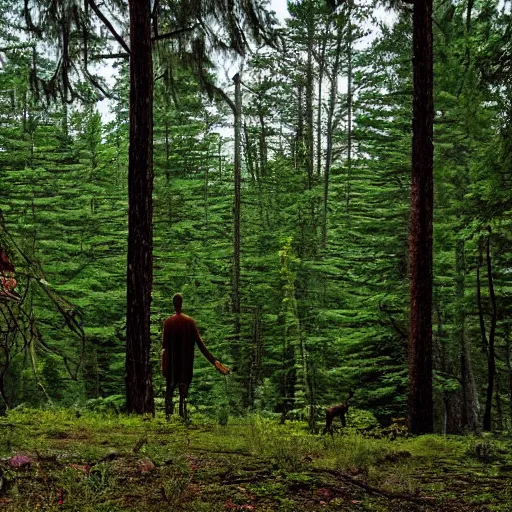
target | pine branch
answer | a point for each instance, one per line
(107, 23)
(174, 33)
(224, 96)
(102, 56)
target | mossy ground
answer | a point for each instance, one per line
(114, 463)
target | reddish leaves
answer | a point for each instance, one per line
(17, 461)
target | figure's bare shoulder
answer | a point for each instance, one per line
(178, 321)
(173, 320)
(188, 319)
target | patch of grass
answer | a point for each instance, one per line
(401, 480)
(434, 446)
(270, 489)
(287, 505)
(355, 453)
(175, 485)
(258, 462)
(288, 445)
(300, 478)
(486, 449)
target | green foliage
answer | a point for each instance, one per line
(318, 317)
(360, 419)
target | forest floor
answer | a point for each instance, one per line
(65, 460)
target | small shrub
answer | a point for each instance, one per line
(398, 428)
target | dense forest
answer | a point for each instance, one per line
(276, 200)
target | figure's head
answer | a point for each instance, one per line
(177, 302)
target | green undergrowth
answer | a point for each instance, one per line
(84, 461)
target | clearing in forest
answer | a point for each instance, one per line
(67, 460)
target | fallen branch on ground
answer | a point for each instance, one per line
(374, 490)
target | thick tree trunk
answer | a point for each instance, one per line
(139, 385)
(420, 413)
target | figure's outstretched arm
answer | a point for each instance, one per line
(206, 353)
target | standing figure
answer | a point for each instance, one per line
(180, 336)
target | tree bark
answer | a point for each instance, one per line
(263, 141)
(491, 359)
(299, 135)
(4, 403)
(139, 385)
(509, 369)
(310, 139)
(349, 110)
(499, 409)
(235, 283)
(256, 358)
(420, 404)
(469, 391)
(321, 68)
(483, 335)
(330, 117)
(250, 159)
